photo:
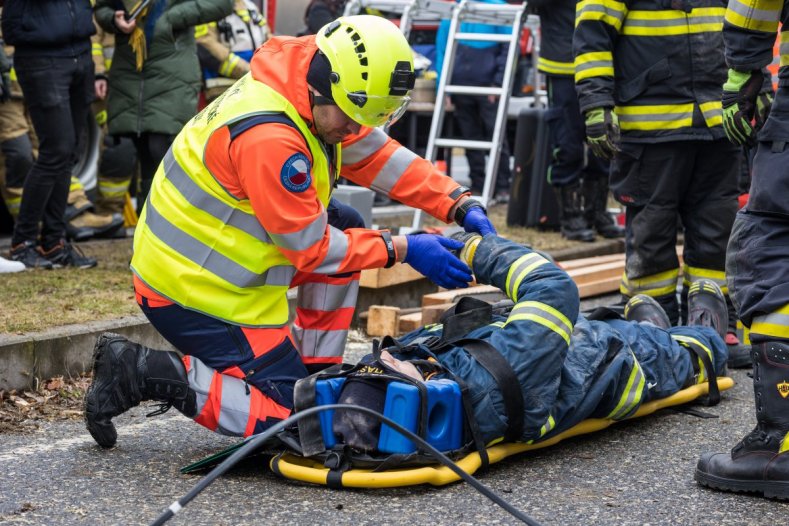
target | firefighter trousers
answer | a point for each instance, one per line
(756, 263)
(661, 184)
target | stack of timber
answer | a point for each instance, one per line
(594, 276)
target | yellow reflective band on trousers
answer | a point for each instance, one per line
(775, 324)
(655, 285)
(543, 314)
(687, 341)
(75, 185)
(784, 444)
(545, 429)
(113, 188)
(631, 396)
(757, 15)
(784, 48)
(607, 11)
(655, 117)
(691, 275)
(227, 67)
(673, 22)
(556, 68)
(594, 64)
(519, 270)
(203, 248)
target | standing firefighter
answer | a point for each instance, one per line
(580, 182)
(240, 211)
(653, 70)
(759, 247)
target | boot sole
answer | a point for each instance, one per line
(768, 489)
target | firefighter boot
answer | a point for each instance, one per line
(707, 306)
(759, 463)
(571, 220)
(125, 374)
(595, 191)
(81, 221)
(644, 309)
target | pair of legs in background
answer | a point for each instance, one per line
(58, 91)
(580, 181)
(661, 183)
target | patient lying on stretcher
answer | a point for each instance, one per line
(538, 367)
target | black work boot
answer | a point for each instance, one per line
(595, 192)
(707, 306)
(642, 308)
(759, 463)
(572, 222)
(125, 374)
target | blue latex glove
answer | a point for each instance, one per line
(430, 255)
(477, 222)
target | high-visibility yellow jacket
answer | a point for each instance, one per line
(238, 205)
(661, 68)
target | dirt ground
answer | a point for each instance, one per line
(54, 399)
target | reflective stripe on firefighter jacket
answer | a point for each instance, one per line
(557, 22)
(202, 247)
(749, 30)
(662, 69)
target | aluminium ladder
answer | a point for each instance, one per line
(496, 14)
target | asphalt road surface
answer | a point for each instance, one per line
(638, 472)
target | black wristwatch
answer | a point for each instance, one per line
(462, 210)
(459, 191)
(391, 255)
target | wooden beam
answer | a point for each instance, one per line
(386, 277)
(383, 320)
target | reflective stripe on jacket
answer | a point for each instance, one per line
(205, 249)
(662, 69)
(557, 22)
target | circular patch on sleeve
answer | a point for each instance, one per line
(295, 173)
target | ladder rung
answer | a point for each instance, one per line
(474, 90)
(484, 37)
(459, 143)
(478, 7)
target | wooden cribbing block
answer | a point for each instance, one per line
(409, 322)
(386, 277)
(383, 320)
(432, 313)
(452, 296)
(595, 288)
(597, 272)
(588, 262)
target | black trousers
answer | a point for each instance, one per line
(756, 266)
(693, 180)
(58, 92)
(568, 132)
(475, 117)
(151, 148)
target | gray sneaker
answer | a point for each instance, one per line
(65, 254)
(27, 254)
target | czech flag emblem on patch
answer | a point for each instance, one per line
(295, 173)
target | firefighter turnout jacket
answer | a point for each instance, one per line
(569, 368)
(557, 23)
(750, 32)
(659, 63)
(238, 205)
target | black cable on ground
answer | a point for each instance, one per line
(252, 444)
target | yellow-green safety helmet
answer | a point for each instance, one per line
(372, 68)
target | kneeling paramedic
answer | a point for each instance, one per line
(241, 210)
